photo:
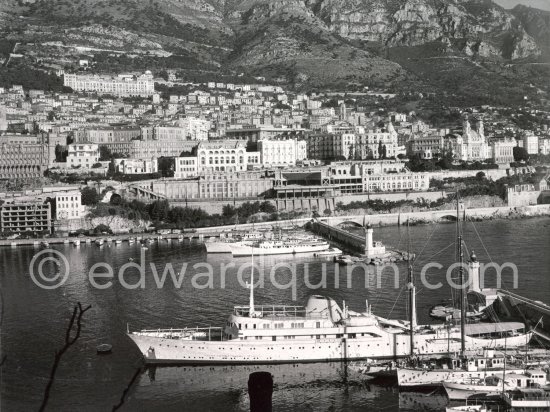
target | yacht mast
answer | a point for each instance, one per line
(461, 281)
(251, 286)
(412, 294)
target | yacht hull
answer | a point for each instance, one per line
(246, 250)
(157, 350)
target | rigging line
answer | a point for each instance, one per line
(395, 302)
(480, 239)
(437, 253)
(425, 245)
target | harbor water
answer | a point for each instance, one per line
(35, 319)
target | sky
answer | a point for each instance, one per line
(540, 4)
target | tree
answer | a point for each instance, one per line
(384, 151)
(104, 153)
(90, 196)
(116, 199)
(520, 154)
(267, 207)
(158, 210)
(166, 166)
(380, 149)
(102, 228)
(480, 175)
(61, 154)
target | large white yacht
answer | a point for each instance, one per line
(291, 245)
(223, 244)
(320, 331)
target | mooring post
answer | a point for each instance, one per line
(260, 390)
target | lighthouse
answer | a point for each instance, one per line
(372, 249)
(473, 269)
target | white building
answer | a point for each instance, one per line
(472, 145)
(186, 167)
(503, 150)
(83, 155)
(531, 143)
(68, 205)
(281, 152)
(222, 156)
(544, 146)
(136, 166)
(195, 128)
(120, 86)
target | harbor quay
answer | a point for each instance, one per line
(382, 219)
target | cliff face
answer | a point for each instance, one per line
(340, 41)
(536, 23)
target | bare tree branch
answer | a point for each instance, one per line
(78, 312)
(122, 398)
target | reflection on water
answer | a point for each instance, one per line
(35, 320)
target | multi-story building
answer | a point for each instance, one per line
(83, 155)
(129, 166)
(147, 149)
(425, 146)
(472, 144)
(25, 217)
(68, 205)
(503, 150)
(278, 152)
(216, 186)
(254, 134)
(195, 129)
(120, 86)
(24, 156)
(531, 143)
(116, 138)
(544, 146)
(186, 167)
(375, 176)
(328, 146)
(376, 143)
(222, 156)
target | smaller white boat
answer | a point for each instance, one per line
(467, 408)
(66, 241)
(145, 248)
(329, 252)
(99, 242)
(493, 385)
(76, 242)
(131, 240)
(109, 240)
(118, 241)
(535, 399)
(343, 260)
(44, 244)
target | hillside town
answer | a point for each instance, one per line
(223, 143)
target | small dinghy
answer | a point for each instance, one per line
(104, 348)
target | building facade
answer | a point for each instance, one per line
(130, 166)
(25, 217)
(83, 155)
(120, 86)
(278, 152)
(69, 206)
(24, 156)
(503, 150)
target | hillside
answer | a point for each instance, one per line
(305, 43)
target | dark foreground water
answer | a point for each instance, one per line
(35, 320)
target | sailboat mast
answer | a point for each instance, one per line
(461, 280)
(251, 302)
(412, 295)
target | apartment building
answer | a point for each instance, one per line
(120, 86)
(25, 217)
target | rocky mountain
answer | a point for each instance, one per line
(536, 23)
(303, 42)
